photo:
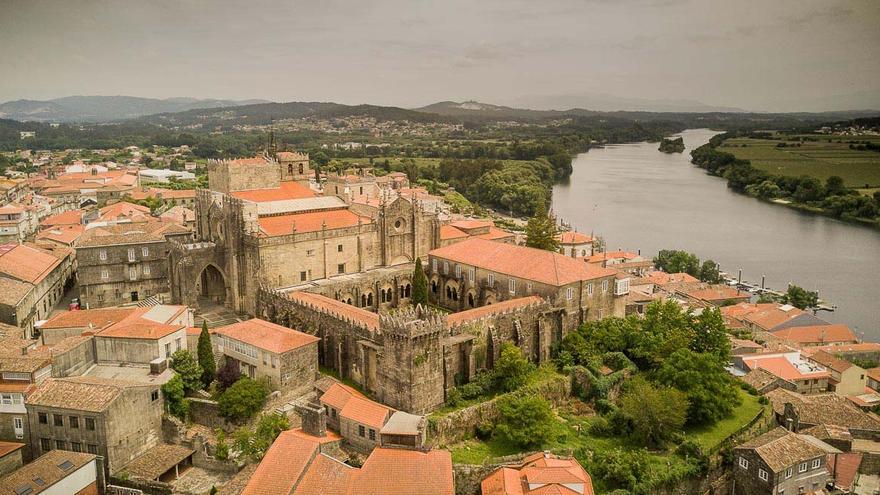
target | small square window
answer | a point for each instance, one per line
(154, 395)
(92, 448)
(341, 268)
(73, 421)
(763, 474)
(76, 446)
(302, 276)
(90, 424)
(361, 430)
(105, 274)
(43, 418)
(802, 468)
(145, 251)
(60, 444)
(816, 463)
(339, 248)
(45, 445)
(491, 280)
(472, 274)
(310, 252)
(569, 293)
(372, 434)
(102, 255)
(590, 289)
(788, 473)
(743, 463)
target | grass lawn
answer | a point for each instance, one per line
(709, 437)
(820, 159)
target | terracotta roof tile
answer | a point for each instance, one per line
(287, 190)
(544, 266)
(8, 447)
(157, 460)
(356, 407)
(448, 232)
(780, 448)
(77, 393)
(823, 409)
(71, 217)
(267, 336)
(47, 467)
(283, 465)
(463, 317)
(572, 237)
(26, 263)
(555, 474)
(366, 318)
(13, 291)
(123, 209)
(846, 468)
(153, 230)
(326, 476)
(65, 234)
(818, 334)
(310, 222)
(404, 472)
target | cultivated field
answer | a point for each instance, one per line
(828, 156)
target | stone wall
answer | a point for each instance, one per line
(75, 359)
(462, 424)
(206, 413)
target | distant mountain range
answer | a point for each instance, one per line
(602, 102)
(105, 108)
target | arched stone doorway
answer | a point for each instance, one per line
(212, 284)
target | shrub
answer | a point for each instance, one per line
(175, 397)
(453, 398)
(188, 369)
(221, 450)
(620, 468)
(656, 413)
(228, 374)
(484, 430)
(243, 399)
(254, 443)
(524, 420)
(600, 427)
(512, 369)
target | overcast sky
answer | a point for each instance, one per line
(757, 55)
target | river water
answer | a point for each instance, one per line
(638, 198)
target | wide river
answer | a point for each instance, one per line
(638, 198)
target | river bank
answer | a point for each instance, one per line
(638, 198)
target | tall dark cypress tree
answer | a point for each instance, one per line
(206, 356)
(420, 285)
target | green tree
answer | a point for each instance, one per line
(801, 298)
(666, 328)
(621, 468)
(541, 231)
(524, 420)
(175, 397)
(206, 356)
(710, 273)
(657, 414)
(675, 261)
(243, 399)
(254, 443)
(710, 335)
(189, 370)
(711, 392)
(834, 186)
(420, 284)
(221, 449)
(512, 369)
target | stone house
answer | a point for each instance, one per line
(780, 462)
(11, 456)
(288, 359)
(477, 272)
(125, 262)
(541, 473)
(798, 412)
(846, 378)
(19, 375)
(115, 419)
(807, 376)
(357, 419)
(46, 270)
(58, 472)
(575, 244)
(124, 335)
(460, 230)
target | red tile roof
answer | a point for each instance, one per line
(573, 237)
(449, 232)
(283, 465)
(9, 447)
(356, 407)
(522, 262)
(97, 318)
(164, 193)
(663, 278)
(310, 222)
(553, 474)
(65, 234)
(404, 472)
(463, 317)
(846, 468)
(123, 209)
(817, 334)
(266, 335)
(287, 190)
(295, 465)
(367, 319)
(72, 217)
(26, 263)
(763, 315)
(783, 368)
(717, 293)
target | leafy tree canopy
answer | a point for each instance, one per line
(657, 414)
(512, 369)
(524, 420)
(243, 399)
(710, 390)
(541, 231)
(206, 356)
(189, 370)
